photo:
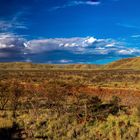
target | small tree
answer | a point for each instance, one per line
(16, 90)
(94, 104)
(115, 105)
(4, 95)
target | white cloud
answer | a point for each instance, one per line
(6, 25)
(76, 3)
(129, 51)
(128, 25)
(135, 36)
(13, 23)
(65, 61)
(75, 49)
(90, 40)
(92, 3)
(111, 44)
(85, 2)
(78, 45)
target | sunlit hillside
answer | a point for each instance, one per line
(128, 63)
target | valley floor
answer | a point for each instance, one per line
(70, 104)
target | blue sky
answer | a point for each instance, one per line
(69, 31)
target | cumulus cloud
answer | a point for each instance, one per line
(79, 45)
(61, 50)
(70, 44)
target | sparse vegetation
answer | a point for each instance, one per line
(70, 104)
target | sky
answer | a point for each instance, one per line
(69, 31)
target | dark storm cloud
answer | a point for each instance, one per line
(11, 47)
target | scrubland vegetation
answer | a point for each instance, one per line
(70, 104)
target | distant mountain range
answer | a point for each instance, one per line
(128, 63)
